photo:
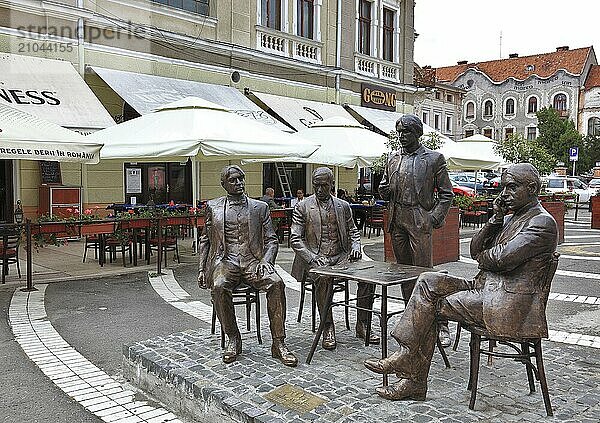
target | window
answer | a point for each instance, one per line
(531, 133)
(426, 117)
(470, 110)
(488, 108)
(560, 102)
(388, 35)
(509, 107)
(593, 126)
(448, 123)
(487, 132)
(532, 105)
(469, 133)
(306, 19)
(508, 132)
(436, 121)
(271, 14)
(364, 27)
(438, 95)
(449, 98)
(196, 6)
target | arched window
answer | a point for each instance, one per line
(532, 105)
(593, 126)
(470, 114)
(488, 108)
(510, 107)
(560, 102)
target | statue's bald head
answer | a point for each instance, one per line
(525, 173)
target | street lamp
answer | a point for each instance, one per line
(19, 213)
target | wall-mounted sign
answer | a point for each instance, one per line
(134, 180)
(378, 97)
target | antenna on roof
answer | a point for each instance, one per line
(500, 44)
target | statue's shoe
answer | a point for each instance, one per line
(280, 350)
(329, 342)
(361, 333)
(405, 389)
(232, 349)
(444, 335)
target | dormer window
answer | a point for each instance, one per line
(530, 68)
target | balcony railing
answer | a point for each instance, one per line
(288, 45)
(372, 66)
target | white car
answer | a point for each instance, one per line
(569, 184)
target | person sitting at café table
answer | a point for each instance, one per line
(514, 251)
(269, 198)
(299, 197)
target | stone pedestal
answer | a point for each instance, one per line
(446, 243)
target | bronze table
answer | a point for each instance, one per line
(381, 274)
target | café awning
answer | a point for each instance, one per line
(27, 137)
(146, 93)
(51, 90)
(297, 113)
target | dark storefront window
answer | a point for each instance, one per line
(296, 173)
(6, 191)
(200, 7)
(161, 182)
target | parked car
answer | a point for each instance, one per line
(493, 186)
(460, 190)
(568, 184)
(467, 181)
(594, 185)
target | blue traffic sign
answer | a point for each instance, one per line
(573, 154)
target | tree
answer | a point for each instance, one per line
(431, 140)
(517, 149)
(557, 135)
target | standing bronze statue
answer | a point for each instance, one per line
(514, 251)
(239, 245)
(323, 233)
(416, 183)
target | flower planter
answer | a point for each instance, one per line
(97, 228)
(136, 223)
(557, 209)
(51, 228)
(446, 244)
(178, 220)
(595, 212)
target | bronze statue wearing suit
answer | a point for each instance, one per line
(514, 252)
(323, 233)
(238, 245)
(416, 183)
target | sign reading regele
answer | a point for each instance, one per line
(378, 97)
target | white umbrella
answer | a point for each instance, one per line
(193, 127)
(26, 137)
(344, 142)
(477, 137)
(470, 155)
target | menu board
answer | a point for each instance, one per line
(50, 172)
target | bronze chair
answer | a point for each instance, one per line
(9, 251)
(374, 220)
(242, 295)
(525, 349)
(306, 284)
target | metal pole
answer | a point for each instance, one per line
(576, 204)
(28, 245)
(573, 167)
(158, 264)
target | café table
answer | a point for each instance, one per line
(379, 274)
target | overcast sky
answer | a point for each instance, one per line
(450, 31)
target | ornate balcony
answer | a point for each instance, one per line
(372, 66)
(288, 45)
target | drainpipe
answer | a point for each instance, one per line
(80, 41)
(338, 50)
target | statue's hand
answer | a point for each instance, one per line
(355, 255)
(264, 268)
(499, 207)
(201, 280)
(321, 261)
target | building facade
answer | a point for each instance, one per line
(320, 50)
(503, 96)
(590, 113)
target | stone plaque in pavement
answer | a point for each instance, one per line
(294, 398)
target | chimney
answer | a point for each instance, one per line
(562, 48)
(513, 55)
(462, 62)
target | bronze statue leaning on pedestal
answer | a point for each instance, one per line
(514, 252)
(416, 183)
(239, 245)
(323, 233)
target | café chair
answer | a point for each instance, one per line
(339, 285)
(9, 251)
(91, 241)
(242, 295)
(524, 350)
(374, 220)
